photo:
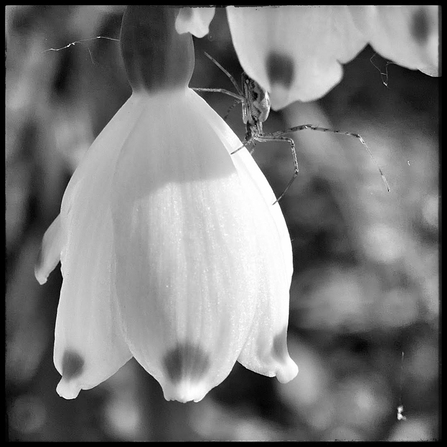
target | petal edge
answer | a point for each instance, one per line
(49, 254)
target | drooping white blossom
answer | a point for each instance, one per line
(171, 249)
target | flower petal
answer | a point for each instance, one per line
(294, 52)
(195, 246)
(50, 251)
(408, 35)
(194, 20)
(89, 346)
(265, 351)
(250, 173)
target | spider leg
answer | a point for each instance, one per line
(239, 98)
(253, 142)
(233, 81)
(246, 142)
(230, 109)
(340, 132)
(276, 136)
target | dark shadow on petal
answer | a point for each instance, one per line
(420, 26)
(280, 69)
(39, 260)
(186, 361)
(279, 350)
(187, 13)
(72, 364)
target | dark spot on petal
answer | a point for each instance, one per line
(279, 350)
(280, 69)
(187, 13)
(420, 26)
(72, 365)
(39, 259)
(186, 361)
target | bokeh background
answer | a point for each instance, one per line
(364, 318)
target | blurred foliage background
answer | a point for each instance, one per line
(364, 319)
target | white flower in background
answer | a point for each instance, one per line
(171, 250)
(296, 52)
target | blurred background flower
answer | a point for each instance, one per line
(364, 319)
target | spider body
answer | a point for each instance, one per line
(256, 106)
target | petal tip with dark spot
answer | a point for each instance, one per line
(72, 365)
(186, 366)
(280, 69)
(420, 26)
(186, 360)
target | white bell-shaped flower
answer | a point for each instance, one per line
(171, 250)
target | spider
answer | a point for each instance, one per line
(256, 105)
